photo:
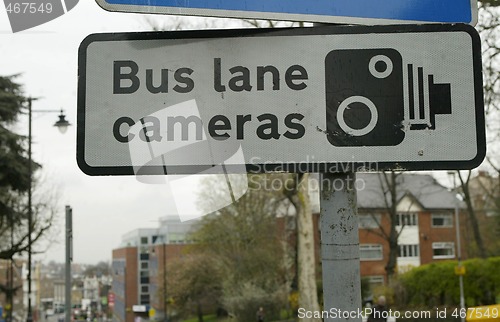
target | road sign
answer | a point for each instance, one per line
(152, 313)
(323, 99)
(338, 11)
(460, 270)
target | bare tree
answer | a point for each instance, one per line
(465, 187)
(14, 231)
(298, 194)
(13, 224)
(388, 180)
(492, 3)
(488, 28)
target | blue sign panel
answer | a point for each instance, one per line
(343, 11)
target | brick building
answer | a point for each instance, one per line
(425, 222)
(138, 269)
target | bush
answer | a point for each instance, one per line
(244, 300)
(436, 284)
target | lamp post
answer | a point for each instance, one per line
(459, 253)
(165, 299)
(62, 125)
(69, 258)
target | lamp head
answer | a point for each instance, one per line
(62, 124)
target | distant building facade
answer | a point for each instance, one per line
(138, 267)
(425, 222)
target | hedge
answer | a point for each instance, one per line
(437, 284)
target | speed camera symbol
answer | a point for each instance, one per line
(365, 97)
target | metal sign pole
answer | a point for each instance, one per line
(340, 247)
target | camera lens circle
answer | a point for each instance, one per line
(377, 59)
(357, 99)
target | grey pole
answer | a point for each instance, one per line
(459, 249)
(165, 298)
(69, 258)
(340, 246)
(459, 257)
(30, 213)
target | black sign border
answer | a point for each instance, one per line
(288, 167)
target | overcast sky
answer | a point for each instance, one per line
(104, 208)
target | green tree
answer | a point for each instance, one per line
(14, 169)
(15, 182)
(244, 242)
(194, 281)
(14, 173)
(14, 176)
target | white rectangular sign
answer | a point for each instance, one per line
(333, 98)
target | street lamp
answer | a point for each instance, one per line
(62, 125)
(459, 252)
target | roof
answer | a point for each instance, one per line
(423, 188)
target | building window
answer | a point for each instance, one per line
(144, 298)
(369, 252)
(409, 251)
(376, 280)
(144, 289)
(442, 220)
(443, 250)
(369, 221)
(176, 238)
(407, 219)
(144, 265)
(144, 240)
